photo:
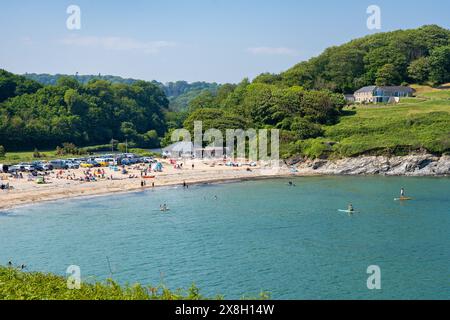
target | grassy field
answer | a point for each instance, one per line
(28, 156)
(416, 123)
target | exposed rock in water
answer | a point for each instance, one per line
(412, 165)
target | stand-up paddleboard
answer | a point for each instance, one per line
(347, 211)
(402, 199)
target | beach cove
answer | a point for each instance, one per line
(238, 239)
(61, 185)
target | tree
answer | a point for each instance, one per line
(204, 100)
(419, 69)
(150, 139)
(305, 129)
(128, 130)
(2, 152)
(321, 107)
(36, 154)
(214, 118)
(68, 82)
(440, 65)
(387, 76)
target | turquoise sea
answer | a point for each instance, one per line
(255, 236)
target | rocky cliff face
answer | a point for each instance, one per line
(412, 165)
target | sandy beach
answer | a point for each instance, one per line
(66, 183)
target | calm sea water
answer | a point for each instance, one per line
(256, 236)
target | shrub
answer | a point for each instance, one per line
(67, 149)
(37, 154)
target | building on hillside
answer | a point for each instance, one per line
(186, 149)
(181, 149)
(374, 94)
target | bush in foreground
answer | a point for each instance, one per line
(18, 285)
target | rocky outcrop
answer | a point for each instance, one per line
(412, 165)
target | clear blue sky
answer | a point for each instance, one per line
(193, 40)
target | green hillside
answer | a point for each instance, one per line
(416, 123)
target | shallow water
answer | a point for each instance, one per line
(256, 236)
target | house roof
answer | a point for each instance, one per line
(182, 146)
(385, 89)
(366, 89)
(397, 89)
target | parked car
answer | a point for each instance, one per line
(104, 162)
(59, 164)
(28, 167)
(15, 168)
(125, 161)
(89, 164)
(147, 159)
(42, 166)
(72, 165)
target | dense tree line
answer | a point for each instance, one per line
(52, 79)
(85, 114)
(12, 85)
(406, 56)
(299, 113)
(179, 93)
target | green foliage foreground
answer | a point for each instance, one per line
(18, 285)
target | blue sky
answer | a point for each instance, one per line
(193, 40)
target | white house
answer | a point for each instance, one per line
(374, 94)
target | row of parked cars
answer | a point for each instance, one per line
(75, 163)
(43, 166)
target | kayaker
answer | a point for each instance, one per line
(350, 208)
(402, 192)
